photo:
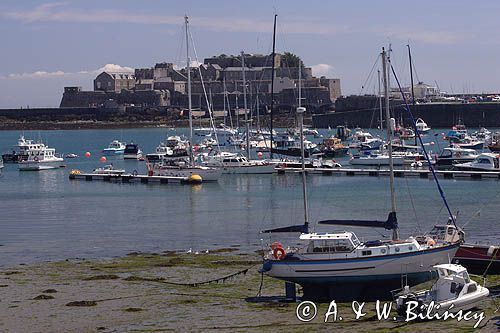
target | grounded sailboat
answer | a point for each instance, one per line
(339, 266)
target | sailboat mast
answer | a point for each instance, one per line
(412, 91)
(380, 102)
(247, 129)
(388, 125)
(190, 106)
(300, 119)
(272, 83)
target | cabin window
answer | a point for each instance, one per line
(483, 161)
(397, 249)
(336, 245)
(471, 288)
(383, 251)
(366, 253)
(410, 247)
(450, 231)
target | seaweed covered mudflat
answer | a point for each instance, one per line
(174, 291)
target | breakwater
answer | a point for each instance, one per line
(366, 114)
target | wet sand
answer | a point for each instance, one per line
(144, 293)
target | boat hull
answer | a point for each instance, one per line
(360, 279)
(479, 259)
(38, 166)
(206, 174)
(110, 152)
(250, 169)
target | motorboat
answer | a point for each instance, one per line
(453, 291)
(333, 147)
(377, 159)
(450, 156)
(182, 168)
(174, 147)
(494, 146)
(288, 145)
(40, 157)
(71, 155)
(317, 163)
(108, 170)
(234, 163)
(468, 142)
(114, 148)
(132, 152)
(19, 152)
(422, 127)
(483, 162)
(365, 141)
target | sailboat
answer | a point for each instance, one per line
(185, 168)
(338, 266)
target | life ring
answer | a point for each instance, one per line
(431, 242)
(279, 253)
(35, 159)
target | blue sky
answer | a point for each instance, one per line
(49, 45)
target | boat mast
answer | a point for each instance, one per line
(380, 101)
(272, 82)
(300, 119)
(388, 125)
(247, 129)
(190, 106)
(412, 91)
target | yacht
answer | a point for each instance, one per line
(132, 152)
(173, 147)
(377, 159)
(114, 148)
(233, 163)
(337, 265)
(484, 162)
(40, 157)
(365, 141)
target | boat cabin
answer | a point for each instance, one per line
(452, 280)
(457, 153)
(331, 243)
(446, 233)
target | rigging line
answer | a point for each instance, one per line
(212, 123)
(480, 209)
(441, 192)
(419, 229)
(370, 74)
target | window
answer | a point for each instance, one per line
(98, 84)
(366, 253)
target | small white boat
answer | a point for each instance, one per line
(232, 163)
(114, 148)
(376, 159)
(40, 157)
(422, 127)
(172, 168)
(454, 289)
(132, 152)
(108, 170)
(484, 162)
(71, 155)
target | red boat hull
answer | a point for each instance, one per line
(479, 259)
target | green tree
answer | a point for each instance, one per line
(291, 60)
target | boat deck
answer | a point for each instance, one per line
(401, 173)
(130, 178)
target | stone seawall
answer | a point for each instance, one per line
(435, 115)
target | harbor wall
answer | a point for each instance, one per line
(436, 115)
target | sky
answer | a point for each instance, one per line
(46, 46)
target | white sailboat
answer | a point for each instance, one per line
(180, 168)
(339, 266)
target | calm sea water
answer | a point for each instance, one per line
(45, 216)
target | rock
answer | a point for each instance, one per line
(102, 277)
(39, 297)
(82, 303)
(49, 291)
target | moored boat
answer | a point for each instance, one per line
(114, 148)
(40, 157)
(483, 162)
(132, 152)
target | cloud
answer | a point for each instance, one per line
(424, 36)
(60, 12)
(322, 70)
(44, 74)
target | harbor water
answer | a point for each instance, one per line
(46, 216)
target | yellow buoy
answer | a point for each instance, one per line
(75, 172)
(195, 179)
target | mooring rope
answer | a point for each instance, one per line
(193, 284)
